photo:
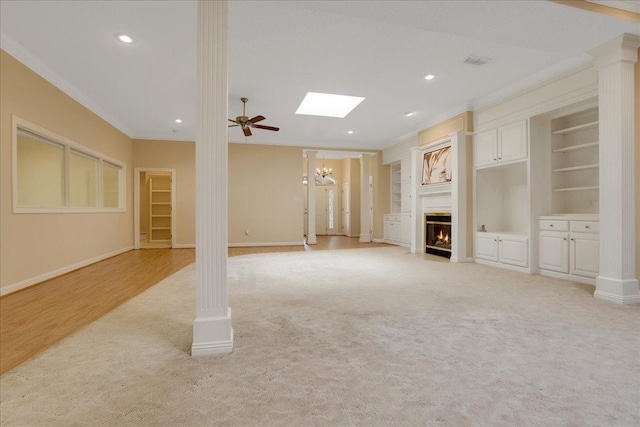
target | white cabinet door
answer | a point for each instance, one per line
(487, 246)
(554, 251)
(514, 251)
(585, 254)
(392, 231)
(486, 149)
(512, 142)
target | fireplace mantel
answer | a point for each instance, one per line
(442, 197)
(437, 188)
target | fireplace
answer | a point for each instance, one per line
(437, 239)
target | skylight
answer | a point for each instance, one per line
(328, 105)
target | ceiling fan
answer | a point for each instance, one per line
(246, 123)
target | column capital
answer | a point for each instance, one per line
(623, 48)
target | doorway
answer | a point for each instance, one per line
(326, 210)
(154, 208)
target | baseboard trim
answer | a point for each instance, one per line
(184, 246)
(378, 241)
(618, 299)
(55, 273)
(564, 276)
(248, 245)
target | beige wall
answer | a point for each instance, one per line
(265, 195)
(33, 245)
(181, 156)
(461, 122)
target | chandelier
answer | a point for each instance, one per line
(324, 172)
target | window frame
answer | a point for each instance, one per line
(18, 123)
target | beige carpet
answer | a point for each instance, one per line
(368, 337)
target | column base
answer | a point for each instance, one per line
(311, 239)
(212, 335)
(618, 291)
(365, 238)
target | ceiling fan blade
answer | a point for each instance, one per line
(233, 121)
(257, 119)
(266, 127)
(232, 126)
(247, 131)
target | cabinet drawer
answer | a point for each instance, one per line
(392, 218)
(553, 225)
(585, 226)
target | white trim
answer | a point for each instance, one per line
(378, 241)
(55, 273)
(18, 51)
(184, 246)
(619, 299)
(568, 277)
(250, 245)
(136, 204)
(629, 6)
(457, 110)
(17, 122)
(525, 270)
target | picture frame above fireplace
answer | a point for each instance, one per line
(436, 166)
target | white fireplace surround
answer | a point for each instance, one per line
(446, 197)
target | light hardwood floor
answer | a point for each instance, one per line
(35, 318)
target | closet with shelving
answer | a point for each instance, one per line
(160, 208)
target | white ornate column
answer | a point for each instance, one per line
(614, 62)
(365, 199)
(212, 332)
(311, 197)
(459, 196)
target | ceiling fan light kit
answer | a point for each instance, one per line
(247, 123)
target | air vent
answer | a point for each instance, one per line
(476, 60)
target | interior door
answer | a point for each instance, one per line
(346, 206)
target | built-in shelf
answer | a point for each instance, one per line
(160, 203)
(578, 128)
(161, 228)
(161, 191)
(576, 147)
(577, 168)
(595, 187)
(160, 216)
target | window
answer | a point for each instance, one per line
(53, 174)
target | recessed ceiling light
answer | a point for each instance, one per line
(409, 113)
(430, 77)
(328, 105)
(178, 120)
(124, 38)
(350, 132)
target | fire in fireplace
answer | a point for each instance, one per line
(438, 234)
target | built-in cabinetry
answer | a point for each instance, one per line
(505, 248)
(574, 162)
(397, 224)
(397, 229)
(570, 247)
(502, 196)
(501, 145)
(160, 208)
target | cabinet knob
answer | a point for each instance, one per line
(566, 239)
(550, 225)
(587, 227)
(495, 158)
(572, 239)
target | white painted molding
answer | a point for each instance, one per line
(568, 277)
(266, 244)
(209, 330)
(15, 49)
(185, 246)
(618, 299)
(55, 273)
(459, 109)
(379, 241)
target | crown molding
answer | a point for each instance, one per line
(15, 49)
